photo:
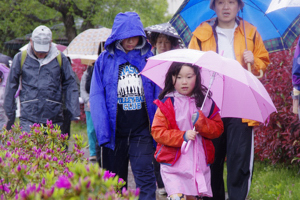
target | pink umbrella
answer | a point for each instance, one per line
(61, 47)
(236, 91)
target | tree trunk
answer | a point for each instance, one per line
(87, 24)
(69, 23)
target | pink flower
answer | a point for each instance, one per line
(63, 182)
(124, 191)
(19, 168)
(47, 165)
(5, 187)
(108, 175)
(60, 162)
(88, 184)
(121, 181)
(8, 143)
(137, 192)
(70, 174)
(8, 155)
(47, 193)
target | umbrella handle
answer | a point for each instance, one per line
(261, 73)
(185, 146)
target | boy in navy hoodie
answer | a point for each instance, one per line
(122, 106)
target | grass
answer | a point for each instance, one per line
(273, 182)
(78, 128)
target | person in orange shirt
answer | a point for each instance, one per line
(226, 33)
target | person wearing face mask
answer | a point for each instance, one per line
(226, 35)
(45, 75)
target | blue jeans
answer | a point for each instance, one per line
(139, 151)
(91, 133)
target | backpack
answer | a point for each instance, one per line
(169, 155)
(89, 70)
(24, 55)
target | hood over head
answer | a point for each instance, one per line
(126, 25)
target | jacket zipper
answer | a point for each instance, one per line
(53, 101)
(29, 101)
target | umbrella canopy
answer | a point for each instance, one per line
(5, 70)
(86, 44)
(278, 29)
(276, 5)
(5, 60)
(236, 91)
(58, 46)
(164, 28)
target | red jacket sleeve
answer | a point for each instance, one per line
(209, 127)
(162, 133)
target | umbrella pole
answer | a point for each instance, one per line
(248, 64)
(209, 86)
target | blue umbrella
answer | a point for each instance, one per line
(278, 29)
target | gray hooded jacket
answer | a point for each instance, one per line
(43, 82)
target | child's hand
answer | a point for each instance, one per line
(190, 134)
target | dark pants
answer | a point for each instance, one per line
(139, 151)
(237, 143)
(159, 181)
(98, 154)
(26, 124)
(66, 126)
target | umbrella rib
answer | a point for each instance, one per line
(257, 103)
(265, 15)
(163, 61)
(254, 96)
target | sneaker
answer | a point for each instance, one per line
(161, 191)
(93, 158)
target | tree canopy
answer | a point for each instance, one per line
(19, 17)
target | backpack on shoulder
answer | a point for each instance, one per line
(24, 55)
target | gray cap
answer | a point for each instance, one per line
(41, 37)
(212, 4)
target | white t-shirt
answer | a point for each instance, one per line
(225, 41)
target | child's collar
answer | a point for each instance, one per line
(177, 94)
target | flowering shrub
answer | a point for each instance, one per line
(36, 165)
(279, 140)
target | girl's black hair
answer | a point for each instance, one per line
(199, 91)
(154, 36)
